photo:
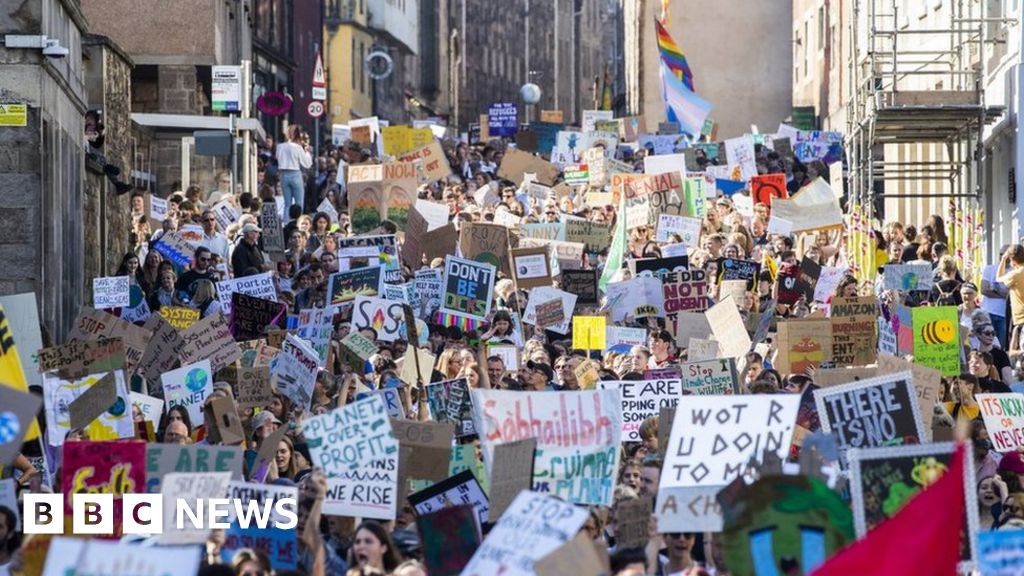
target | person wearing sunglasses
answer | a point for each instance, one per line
(201, 270)
(213, 238)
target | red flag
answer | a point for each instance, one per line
(922, 539)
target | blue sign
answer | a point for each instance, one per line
(503, 119)
(1001, 553)
(280, 545)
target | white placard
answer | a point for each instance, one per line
(110, 292)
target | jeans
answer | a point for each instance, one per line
(294, 189)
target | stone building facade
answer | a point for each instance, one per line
(105, 211)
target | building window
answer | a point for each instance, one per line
(362, 66)
(821, 28)
(353, 53)
(806, 49)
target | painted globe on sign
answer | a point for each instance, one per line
(530, 93)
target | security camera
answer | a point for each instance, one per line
(53, 49)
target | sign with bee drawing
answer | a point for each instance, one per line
(937, 338)
(883, 480)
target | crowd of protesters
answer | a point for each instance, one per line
(991, 316)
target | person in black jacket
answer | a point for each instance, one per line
(247, 259)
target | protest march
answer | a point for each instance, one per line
(618, 348)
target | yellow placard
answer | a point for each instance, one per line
(13, 115)
(588, 332)
(555, 116)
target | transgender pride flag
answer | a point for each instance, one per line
(682, 105)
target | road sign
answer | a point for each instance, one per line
(319, 80)
(226, 88)
(315, 109)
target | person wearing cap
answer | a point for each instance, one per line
(247, 259)
(539, 377)
(264, 424)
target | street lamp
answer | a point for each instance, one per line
(530, 94)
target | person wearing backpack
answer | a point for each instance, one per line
(946, 290)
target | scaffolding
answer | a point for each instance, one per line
(917, 81)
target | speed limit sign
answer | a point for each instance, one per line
(315, 109)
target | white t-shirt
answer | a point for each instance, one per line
(291, 156)
(994, 306)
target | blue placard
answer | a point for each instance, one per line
(502, 119)
(1001, 553)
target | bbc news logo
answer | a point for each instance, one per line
(144, 514)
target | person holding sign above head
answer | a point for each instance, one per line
(964, 407)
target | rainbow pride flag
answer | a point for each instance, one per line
(673, 56)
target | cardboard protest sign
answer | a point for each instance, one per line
(250, 316)
(880, 411)
(162, 459)
(430, 446)
(449, 402)
(927, 384)
(813, 207)
(58, 395)
(532, 267)
(736, 269)
(116, 468)
(496, 411)
(659, 267)
(384, 316)
(270, 223)
(937, 338)
(223, 425)
(532, 527)
(683, 292)
(151, 408)
(643, 399)
(803, 343)
(488, 243)
(350, 436)
(580, 555)
(461, 489)
(699, 349)
(516, 163)
(180, 317)
(907, 277)
(825, 377)
(1004, 419)
(732, 430)
(17, 414)
(189, 386)
(640, 297)
(632, 522)
(468, 287)
(710, 377)
(884, 479)
(366, 198)
(258, 286)
(449, 537)
(163, 352)
(727, 326)
(92, 324)
(764, 188)
(400, 182)
(110, 292)
(96, 400)
(190, 487)
(853, 330)
(582, 283)
(435, 164)
(544, 296)
(210, 339)
(295, 369)
(589, 332)
(348, 285)
(93, 556)
(594, 236)
(78, 359)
